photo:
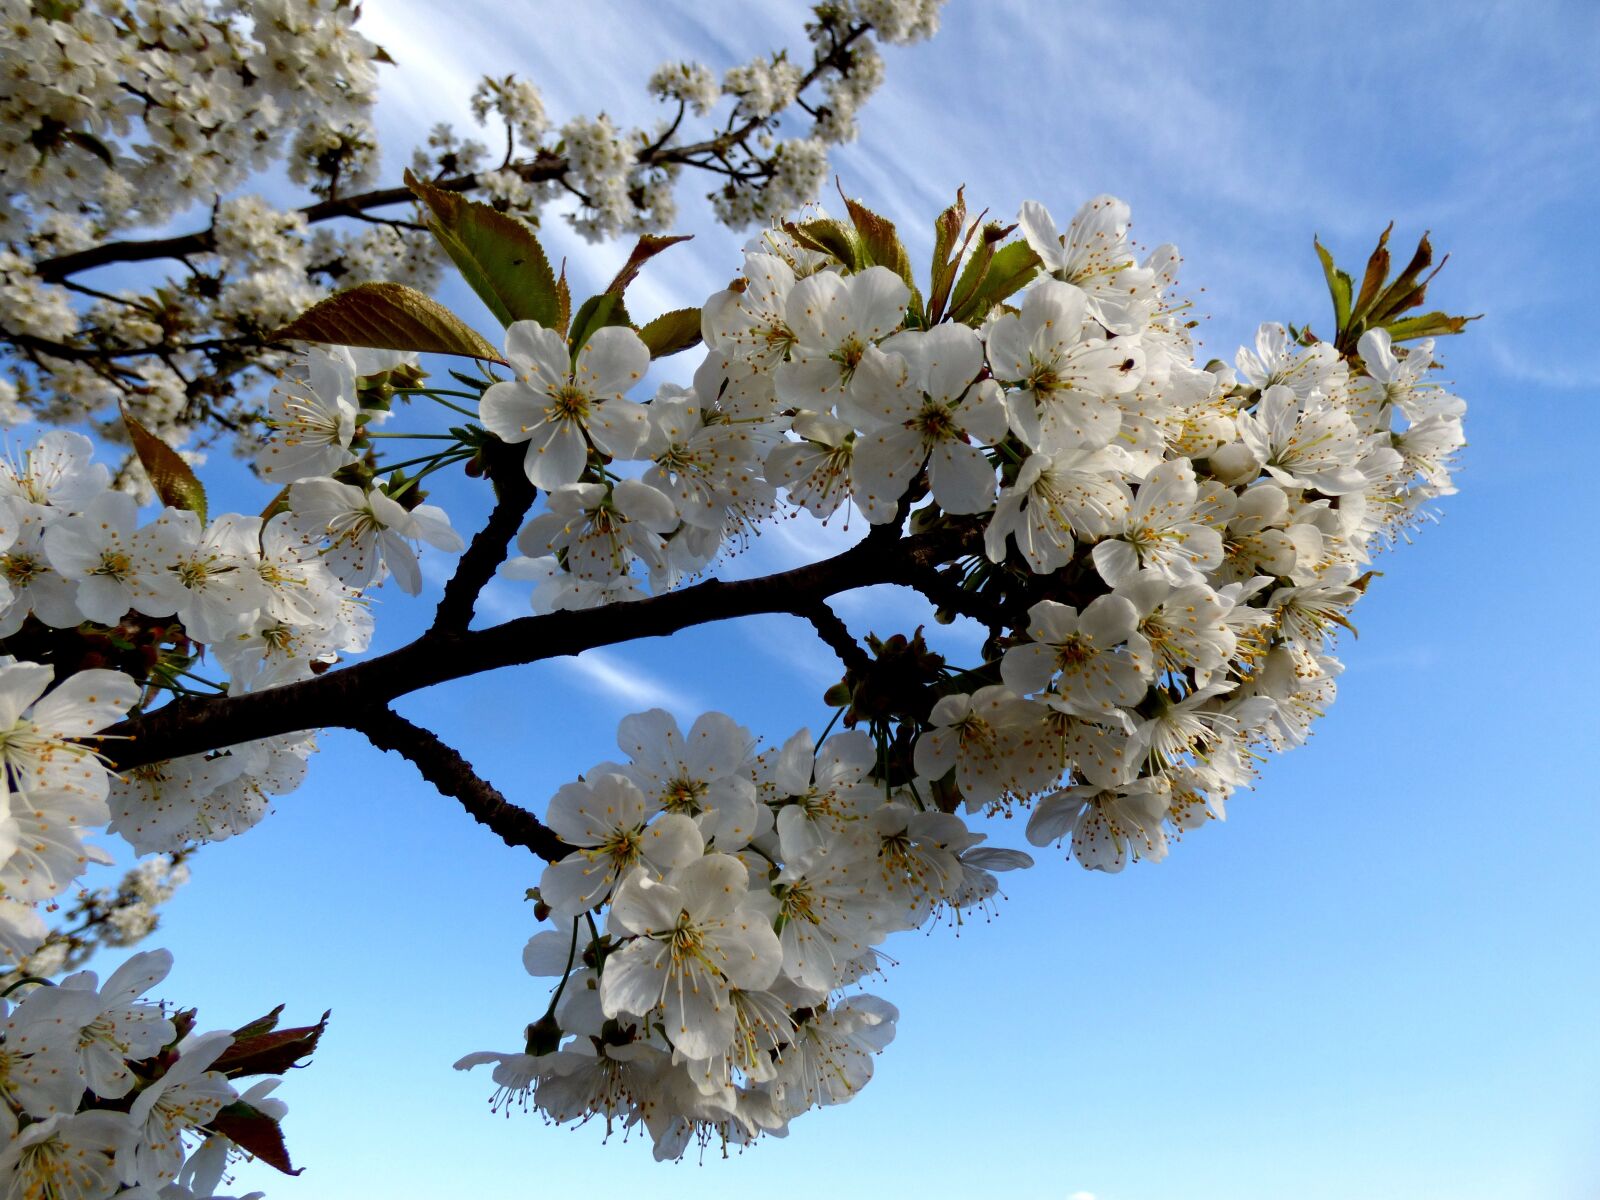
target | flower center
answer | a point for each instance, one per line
(569, 403)
(684, 795)
(1075, 653)
(114, 564)
(935, 423)
(21, 569)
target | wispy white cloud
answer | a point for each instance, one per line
(1532, 365)
(625, 681)
(791, 644)
(503, 601)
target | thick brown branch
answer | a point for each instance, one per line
(453, 775)
(337, 698)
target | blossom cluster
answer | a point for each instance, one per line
(102, 917)
(1161, 553)
(87, 582)
(103, 1092)
(743, 891)
(117, 116)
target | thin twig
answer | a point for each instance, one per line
(836, 634)
(545, 166)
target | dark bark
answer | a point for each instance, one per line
(339, 698)
(443, 766)
(836, 634)
(514, 496)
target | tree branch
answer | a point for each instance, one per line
(836, 634)
(337, 698)
(514, 497)
(94, 354)
(542, 167)
(443, 766)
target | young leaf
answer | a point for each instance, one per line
(260, 1025)
(387, 316)
(1377, 271)
(977, 268)
(1007, 272)
(270, 1051)
(183, 1024)
(255, 1132)
(1409, 288)
(947, 247)
(278, 504)
(594, 314)
(171, 477)
(671, 332)
(1380, 302)
(563, 299)
(1434, 324)
(497, 255)
(882, 246)
(1339, 285)
(828, 236)
(646, 248)
(87, 141)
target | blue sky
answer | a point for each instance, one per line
(1377, 979)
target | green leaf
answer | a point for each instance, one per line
(1434, 324)
(671, 332)
(646, 248)
(1339, 286)
(171, 477)
(255, 1132)
(56, 10)
(828, 236)
(387, 316)
(497, 255)
(595, 314)
(1007, 272)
